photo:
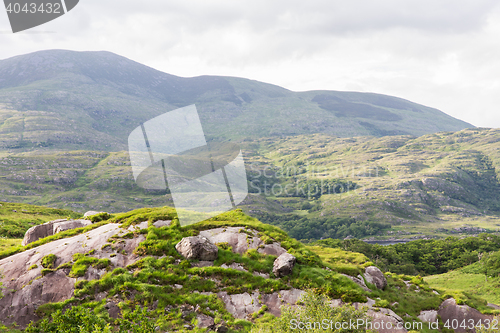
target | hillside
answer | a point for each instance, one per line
(402, 187)
(125, 273)
(435, 185)
(66, 100)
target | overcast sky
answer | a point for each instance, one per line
(443, 54)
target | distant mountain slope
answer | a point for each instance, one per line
(63, 100)
(435, 185)
(394, 187)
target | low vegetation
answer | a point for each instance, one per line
(426, 257)
(157, 289)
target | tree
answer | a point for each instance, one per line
(313, 315)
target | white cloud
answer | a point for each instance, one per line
(442, 54)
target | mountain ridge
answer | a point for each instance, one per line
(68, 100)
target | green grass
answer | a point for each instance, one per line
(7, 243)
(17, 218)
(469, 280)
(152, 279)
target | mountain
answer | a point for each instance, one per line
(64, 100)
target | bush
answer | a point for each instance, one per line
(103, 216)
(48, 261)
(79, 319)
(316, 311)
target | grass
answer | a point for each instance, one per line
(7, 243)
(16, 218)
(350, 263)
(469, 280)
(154, 279)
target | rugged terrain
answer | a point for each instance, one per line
(112, 269)
(391, 187)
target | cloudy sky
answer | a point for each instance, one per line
(443, 54)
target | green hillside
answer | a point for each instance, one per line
(66, 100)
(435, 185)
(148, 299)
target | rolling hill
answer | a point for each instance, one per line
(63, 100)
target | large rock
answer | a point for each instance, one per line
(283, 265)
(197, 247)
(68, 225)
(242, 240)
(449, 311)
(51, 228)
(375, 276)
(24, 288)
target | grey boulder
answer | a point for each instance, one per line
(375, 276)
(197, 247)
(51, 228)
(283, 265)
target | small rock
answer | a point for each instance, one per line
(205, 321)
(113, 310)
(139, 226)
(375, 276)
(428, 316)
(91, 212)
(162, 223)
(221, 329)
(196, 247)
(283, 265)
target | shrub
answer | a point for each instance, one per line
(48, 261)
(103, 216)
(315, 309)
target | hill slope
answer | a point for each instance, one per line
(92, 100)
(391, 187)
(126, 270)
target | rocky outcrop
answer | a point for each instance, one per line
(386, 321)
(359, 281)
(242, 306)
(51, 228)
(375, 276)
(25, 288)
(242, 240)
(283, 265)
(449, 310)
(197, 247)
(428, 316)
